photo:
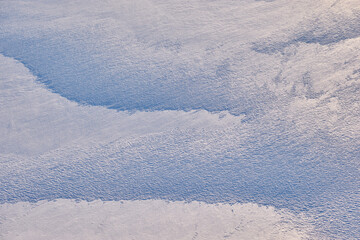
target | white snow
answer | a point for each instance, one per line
(146, 220)
(216, 101)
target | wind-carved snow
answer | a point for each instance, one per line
(276, 83)
(145, 220)
(157, 55)
(324, 25)
(172, 155)
(35, 120)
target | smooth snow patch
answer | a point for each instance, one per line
(145, 220)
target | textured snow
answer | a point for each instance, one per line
(227, 101)
(161, 55)
(172, 155)
(144, 220)
(34, 120)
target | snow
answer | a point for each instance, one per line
(144, 220)
(212, 101)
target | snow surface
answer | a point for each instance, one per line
(151, 219)
(159, 55)
(226, 101)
